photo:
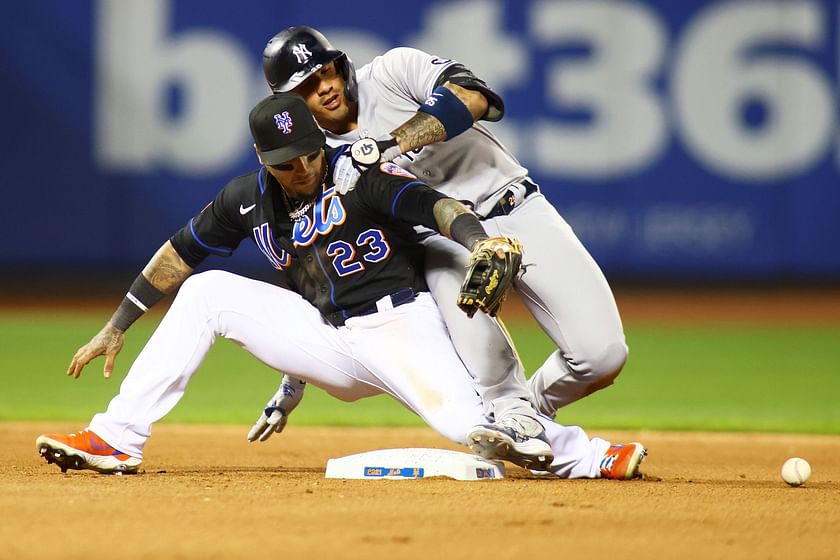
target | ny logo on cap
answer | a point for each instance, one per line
(284, 122)
(301, 53)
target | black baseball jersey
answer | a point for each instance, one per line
(343, 254)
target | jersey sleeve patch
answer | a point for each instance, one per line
(392, 168)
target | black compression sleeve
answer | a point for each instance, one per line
(141, 296)
(416, 204)
(467, 230)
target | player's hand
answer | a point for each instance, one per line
(108, 342)
(346, 171)
(276, 413)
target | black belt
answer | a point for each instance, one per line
(400, 297)
(507, 201)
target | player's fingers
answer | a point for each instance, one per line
(72, 369)
(77, 369)
(275, 418)
(255, 432)
(258, 432)
(79, 362)
(257, 429)
(270, 428)
(109, 365)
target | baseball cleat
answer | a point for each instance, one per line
(498, 442)
(85, 450)
(621, 462)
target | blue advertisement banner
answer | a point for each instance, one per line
(682, 140)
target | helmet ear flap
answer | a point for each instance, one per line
(348, 72)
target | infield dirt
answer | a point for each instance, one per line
(207, 493)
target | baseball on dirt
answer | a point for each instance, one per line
(796, 471)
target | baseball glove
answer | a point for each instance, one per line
(494, 265)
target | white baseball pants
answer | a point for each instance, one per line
(405, 352)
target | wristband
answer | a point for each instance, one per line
(141, 296)
(467, 230)
(452, 113)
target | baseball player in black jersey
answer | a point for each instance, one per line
(361, 323)
(425, 113)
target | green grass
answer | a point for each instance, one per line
(780, 379)
(777, 379)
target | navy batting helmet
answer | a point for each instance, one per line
(296, 53)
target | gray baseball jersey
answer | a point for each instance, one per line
(564, 289)
(473, 167)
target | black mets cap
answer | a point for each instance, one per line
(283, 128)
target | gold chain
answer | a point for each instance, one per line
(302, 210)
(295, 214)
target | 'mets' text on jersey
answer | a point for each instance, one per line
(343, 254)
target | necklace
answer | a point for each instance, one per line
(299, 212)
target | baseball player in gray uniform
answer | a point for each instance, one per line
(361, 323)
(423, 112)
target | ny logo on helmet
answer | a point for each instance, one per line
(301, 53)
(284, 122)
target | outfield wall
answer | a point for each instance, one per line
(682, 140)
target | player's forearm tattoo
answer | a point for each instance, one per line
(420, 130)
(164, 273)
(445, 211)
(167, 270)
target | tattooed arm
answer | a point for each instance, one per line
(445, 211)
(167, 270)
(161, 276)
(423, 129)
(456, 222)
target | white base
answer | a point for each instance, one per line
(408, 463)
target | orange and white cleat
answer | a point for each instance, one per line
(621, 462)
(85, 450)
